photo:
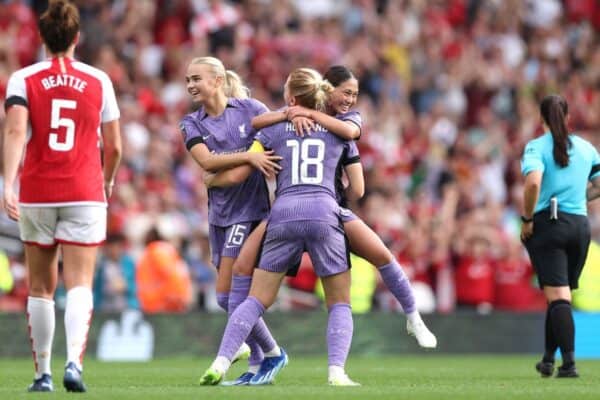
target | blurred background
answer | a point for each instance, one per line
(449, 93)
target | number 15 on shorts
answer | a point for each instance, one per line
(237, 235)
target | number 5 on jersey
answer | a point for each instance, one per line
(56, 122)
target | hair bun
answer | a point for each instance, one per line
(56, 9)
(325, 86)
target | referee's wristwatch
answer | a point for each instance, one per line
(526, 220)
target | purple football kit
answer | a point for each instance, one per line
(234, 211)
(305, 215)
(351, 156)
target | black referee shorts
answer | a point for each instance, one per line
(558, 248)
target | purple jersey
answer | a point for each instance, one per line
(306, 183)
(351, 156)
(230, 132)
(354, 117)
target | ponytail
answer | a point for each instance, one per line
(308, 88)
(324, 90)
(234, 86)
(554, 110)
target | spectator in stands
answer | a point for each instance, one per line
(162, 277)
(114, 284)
(513, 281)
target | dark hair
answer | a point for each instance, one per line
(554, 110)
(153, 235)
(337, 75)
(59, 25)
(115, 237)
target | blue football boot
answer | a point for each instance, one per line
(43, 384)
(269, 368)
(73, 381)
(242, 380)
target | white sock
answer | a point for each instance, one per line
(414, 317)
(41, 321)
(78, 314)
(221, 364)
(335, 371)
(274, 352)
(254, 368)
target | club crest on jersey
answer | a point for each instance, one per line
(182, 130)
(242, 129)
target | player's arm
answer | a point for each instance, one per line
(302, 125)
(268, 119)
(233, 176)
(15, 133)
(112, 152)
(593, 190)
(347, 130)
(356, 179)
(265, 162)
(531, 192)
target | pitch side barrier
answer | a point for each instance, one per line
(136, 337)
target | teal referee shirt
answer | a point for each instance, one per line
(568, 184)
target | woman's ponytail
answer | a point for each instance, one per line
(554, 110)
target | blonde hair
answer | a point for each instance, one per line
(309, 88)
(233, 85)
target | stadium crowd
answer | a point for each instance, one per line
(449, 94)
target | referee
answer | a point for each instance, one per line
(557, 167)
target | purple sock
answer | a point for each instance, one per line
(240, 287)
(396, 281)
(263, 336)
(239, 326)
(339, 333)
(223, 300)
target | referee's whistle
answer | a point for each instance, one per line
(553, 208)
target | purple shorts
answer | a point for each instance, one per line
(346, 215)
(285, 242)
(227, 241)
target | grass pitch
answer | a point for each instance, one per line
(428, 376)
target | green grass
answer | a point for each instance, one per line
(428, 376)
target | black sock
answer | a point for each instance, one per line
(564, 330)
(550, 345)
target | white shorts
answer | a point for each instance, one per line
(46, 226)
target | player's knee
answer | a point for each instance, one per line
(241, 268)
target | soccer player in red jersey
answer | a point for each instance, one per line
(56, 110)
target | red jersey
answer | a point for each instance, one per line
(67, 101)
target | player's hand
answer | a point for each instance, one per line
(208, 178)
(297, 111)
(303, 126)
(526, 230)
(108, 188)
(266, 162)
(10, 203)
